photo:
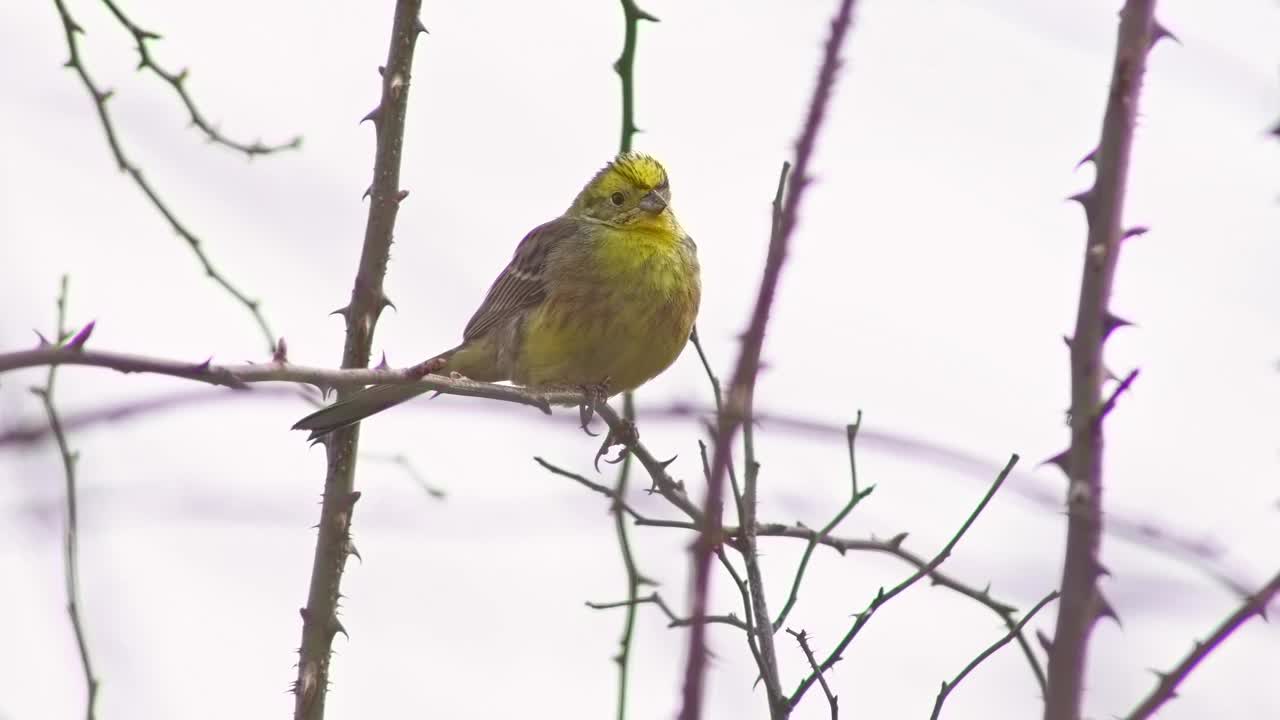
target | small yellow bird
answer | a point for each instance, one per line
(603, 297)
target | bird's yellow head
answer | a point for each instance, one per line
(631, 191)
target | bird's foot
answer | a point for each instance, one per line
(426, 367)
(626, 435)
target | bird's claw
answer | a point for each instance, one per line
(626, 436)
(594, 395)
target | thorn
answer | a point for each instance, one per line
(1091, 157)
(1045, 643)
(1112, 322)
(1134, 231)
(1103, 570)
(664, 463)
(79, 339)
(1105, 610)
(204, 366)
(419, 27)
(1060, 461)
(383, 365)
(44, 341)
(351, 550)
(400, 196)
(281, 354)
(1160, 32)
(338, 628)
(368, 192)
(344, 311)
(386, 303)
(375, 115)
(895, 542)
(382, 70)
(1085, 198)
(305, 613)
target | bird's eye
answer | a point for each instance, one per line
(618, 198)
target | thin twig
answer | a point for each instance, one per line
(403, 462)
(100, 97)
(832, 701)
(333, 543)
(674, 620)
(883, 597)
(946, 688)
(177, 81)
(1081, 604)
(1167, 686)
(71, 540)
(716, 393)
(743, 379)
(855, 497)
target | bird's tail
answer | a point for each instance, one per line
(371, 400)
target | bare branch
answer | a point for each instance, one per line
(1167, 686)
(674, 620)
(743, 379)
(883, 597)
(855, 497)
(803, 638)
(71, 540)
(100, 97)
(1081, 603)
(177, 81)
(1013, 633)
(333, 542)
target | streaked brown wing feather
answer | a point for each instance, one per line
(523, 283)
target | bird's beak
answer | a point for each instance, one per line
(653, 203)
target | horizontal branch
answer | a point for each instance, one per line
(240, 376)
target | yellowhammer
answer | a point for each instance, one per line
(602, 297)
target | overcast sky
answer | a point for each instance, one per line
(934, 272)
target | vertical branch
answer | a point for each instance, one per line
(634, 578)
(760, 627)
(71, 542)
(743, 379)
(625, 67)
(1081, 604)
(333, 542)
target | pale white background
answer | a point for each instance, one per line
(933, 274)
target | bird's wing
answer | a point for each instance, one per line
(523, 283)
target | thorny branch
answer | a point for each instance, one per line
(744, 375)
(71, 29)
(832, 701)
(1082, 604)
(71, 541)
(333, 542)
(1167, 685)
